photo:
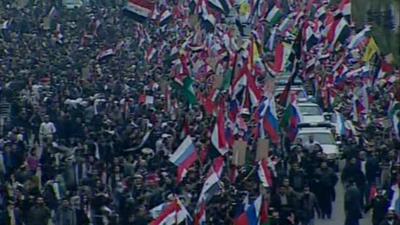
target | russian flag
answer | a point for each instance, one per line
(139, 10)
(251, 216)
(264, 174)
(184, 157)
(270, 122)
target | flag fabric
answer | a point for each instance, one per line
(395, 201)
(212, 184)
(139, 10)
(339, 31)
(105, 54)
(149, 54)
(264, 173)
(291, 120)
(222, 6)
(345, 7)
(174, 213)
(184, 157)
(218, 138)
(282, 53)
(165, 17)
(371, 50)
(271, 125)
(269, 121)
(200, 217)
(188, 90)
(274, 15)
(359, 38)
(251, 216)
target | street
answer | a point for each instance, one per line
(338, 216)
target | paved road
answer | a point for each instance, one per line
(338, 216)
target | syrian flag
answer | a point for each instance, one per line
(174, 213)
(274, 15)
(338, 31)
(282, 53)
(384, 69)
(149, 54)
(264, 174)
(212, 185)
(184, 157)
(139, 10)
(208, 20)
(165, 17)
(222, 6)
(218, 138)
(200, 217)
(105, 54)
(345, 7)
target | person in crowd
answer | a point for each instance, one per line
(309, 206)
(325, 181)
(379, 206)
(352, 206)
(390, 219)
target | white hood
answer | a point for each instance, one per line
(312, 119)
(330, 149)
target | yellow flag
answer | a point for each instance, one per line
(371, 50)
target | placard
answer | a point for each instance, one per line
(262, 149)
(239, 152)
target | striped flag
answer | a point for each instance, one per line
(218, 138)
(174, 213)
(212, 184)
(274, 15)
(184, 157)
(338, 31)
(282, 53)
(139, 10)
(345, 7)
(264, 174)
(165, 17)
(251, 215)
(200, 218)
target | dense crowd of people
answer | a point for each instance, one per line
(97, 109)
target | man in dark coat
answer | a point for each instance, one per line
(309, 205)
(325, 181)
(352, 204)
(379, 206)
(39, 214)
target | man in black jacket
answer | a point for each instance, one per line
(352, 204)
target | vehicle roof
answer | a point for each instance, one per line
(292, 88)
(307, 104)
(310, 130)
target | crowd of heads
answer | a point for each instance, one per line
(81, 146)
